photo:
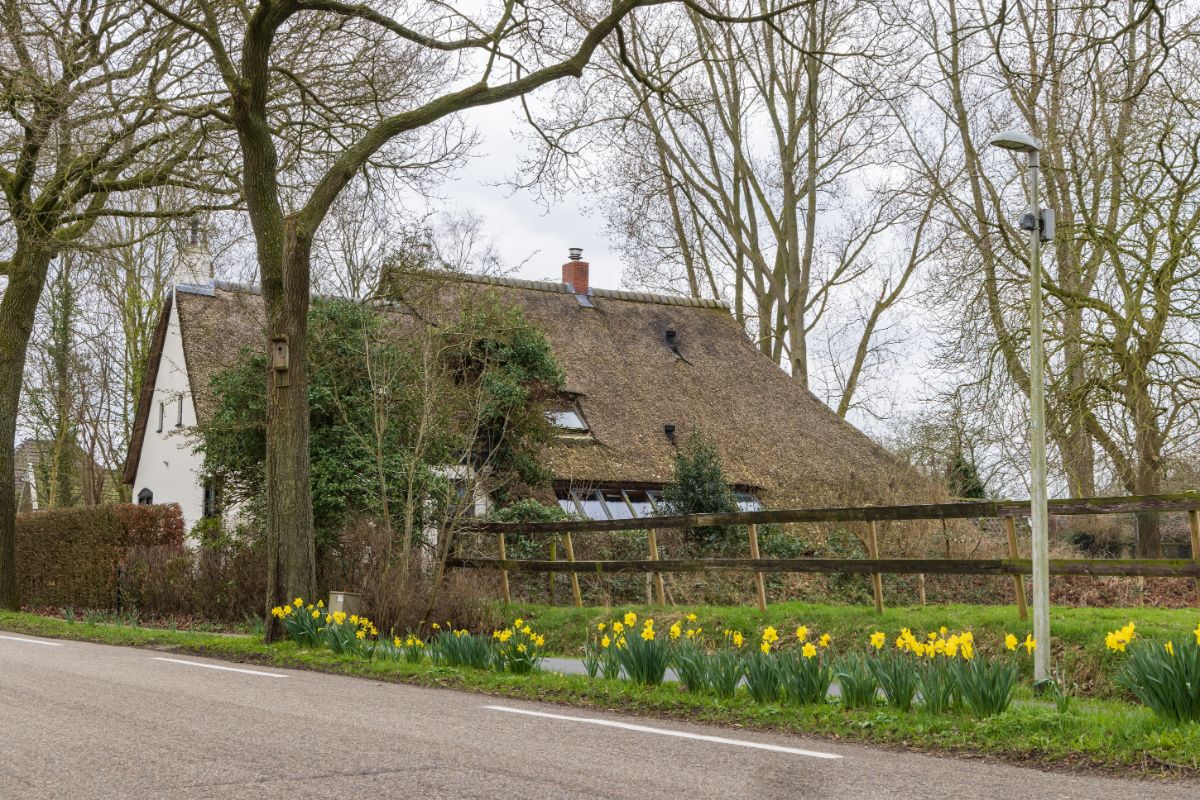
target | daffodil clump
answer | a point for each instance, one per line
(350, 634)
(458, 647)
(1163, 676)
(518, 648)
(411, 648)
(643, 654)
(303, 623)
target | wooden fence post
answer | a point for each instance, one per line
(758, 576)
(574, 575)
(652, 547)
(503, 572)
(921, 587)
(1010, 526)
(1194, 524)
(876, 578)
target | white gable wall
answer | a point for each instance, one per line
(167, 466)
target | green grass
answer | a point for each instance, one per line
(1078, 632)
(1104, 735)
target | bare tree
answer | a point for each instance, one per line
(98, 102)
(753, 164)
(1112, 93)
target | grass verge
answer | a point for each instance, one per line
(1101, 735)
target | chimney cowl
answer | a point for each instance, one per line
(669, 430)
(575, 272)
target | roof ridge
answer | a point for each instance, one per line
(561, 288)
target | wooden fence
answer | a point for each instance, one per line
(1008, 511)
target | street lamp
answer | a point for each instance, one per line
(1040, 226)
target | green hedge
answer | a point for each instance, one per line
(79, 556)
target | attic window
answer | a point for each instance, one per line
(569, 420)
(162, 411)
(145, 497)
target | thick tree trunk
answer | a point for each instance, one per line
(292, 570)
(27, 277)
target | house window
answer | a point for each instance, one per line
(162, 411)
(179, 413)
(629, 503)
(570, 421)
(212, 497)
(145, 497)
(609, 503)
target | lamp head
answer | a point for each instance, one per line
(1019, 141)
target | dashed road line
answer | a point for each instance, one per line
(225, 669)
(608, 723)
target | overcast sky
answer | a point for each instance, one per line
(518, 220)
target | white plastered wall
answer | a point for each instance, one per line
(167, 466)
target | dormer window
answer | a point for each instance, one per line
(568, 421)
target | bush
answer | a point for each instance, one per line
(97, 556)
(699, 487)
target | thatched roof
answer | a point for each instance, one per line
(629, 382)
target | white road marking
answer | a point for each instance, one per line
(31, 641)
(226, 669)
(666, 732)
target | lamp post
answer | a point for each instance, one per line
(1035, 222)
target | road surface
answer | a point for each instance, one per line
(83, 721)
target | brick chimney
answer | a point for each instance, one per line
(575, 271)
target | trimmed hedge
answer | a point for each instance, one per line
(79, 556)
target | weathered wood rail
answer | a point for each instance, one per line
(1008, 510)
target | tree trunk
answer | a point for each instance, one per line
(27, 277)
(292, 571)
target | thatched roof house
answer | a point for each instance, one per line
(643, 371)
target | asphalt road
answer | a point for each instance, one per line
(82, 721)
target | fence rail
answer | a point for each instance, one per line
(1008, 510)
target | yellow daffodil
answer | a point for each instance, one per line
(1170, 648)
(600, 627)
(770, 635)
(605, 642)
(1196, 633)
(877, 639)
(521, 648)
(808, 651)
(354, 619)
(395, 641)
(676, 631)
(539, 640)
(298, 602)
(618, 627)
(630, 618)
(738, 639)
(320, 604)
(1030, 644)
(765, 646)
(316, 614)
(692, 618)
(825, 640)
(943, 630)
(1010, 641)
(436, 627)
(277, 612)
(690, 633)
(801, 633)
(648, 633)
(361, 634)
